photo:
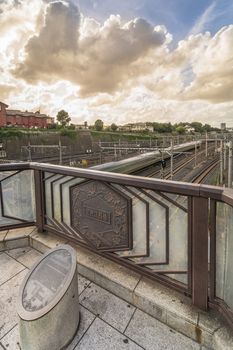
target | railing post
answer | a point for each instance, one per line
(200, 252)
(39, 200)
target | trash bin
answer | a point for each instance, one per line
(48, 305)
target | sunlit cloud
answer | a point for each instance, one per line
(53, 57)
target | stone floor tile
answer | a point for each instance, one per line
(101, 336)
(30, 258)
(154, 335)
(14, 243)
(223, 339)
(20, 232)
(3, 235)
(18, 252)
(165, 298)
(82, 283)
(118, 279)
(86, 318)
(8, 296)
(11, 340)
(8, 267)
(46, 239)
(107, 306)
(1, 347)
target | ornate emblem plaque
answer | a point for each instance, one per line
(101, 215)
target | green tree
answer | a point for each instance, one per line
(197, 126)
(99, 125)
(113, 127)
(63, 118)
(180, 129)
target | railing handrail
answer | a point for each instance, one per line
(181, 188)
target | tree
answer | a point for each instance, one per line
(113, 127)
(197, 126)
(63, 118)
(180, 129)
(99, 124)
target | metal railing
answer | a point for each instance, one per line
(179, 234)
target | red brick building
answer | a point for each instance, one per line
(26, 119)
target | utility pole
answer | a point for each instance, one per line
(230, 165)
(221, 164)
(224, 155)
(115, 152)
(60, 153)
(29, 152)
(195, 163)
(206, 145)
(216, 143)
(119, 149)
(171, 158)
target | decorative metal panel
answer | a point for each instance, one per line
(101, 215)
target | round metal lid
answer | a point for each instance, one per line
(46, 282)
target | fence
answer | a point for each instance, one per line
(177, 233)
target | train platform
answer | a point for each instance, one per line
(120, 309)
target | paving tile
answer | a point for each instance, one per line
(109, 275)
(18, 252)
(101, 336)
(208, 323)
(1, 347)
(30, 258)
(107, 306)
(223, 339)
(150, 292)
(14, 243)
(2, 235)
(86, 318)
(45, 241)
(8, 296)
(20, 232)
(154, 335)
(11, 340)
(8, 267)
(83, 283)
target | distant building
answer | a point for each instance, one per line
(137, 127)
(223, 126)
(189, 129)
(81, 126)
(11, 117)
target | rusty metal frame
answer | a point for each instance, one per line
(200, 252)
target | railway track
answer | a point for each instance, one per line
(205, 172)
(177, 167)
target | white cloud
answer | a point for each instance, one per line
(119, 71)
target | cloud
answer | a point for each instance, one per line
(206, 17)
(98, 58)
(115, 70)
(213, 69)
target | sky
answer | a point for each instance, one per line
(120, 61)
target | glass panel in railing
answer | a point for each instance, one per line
(66, 197)
(18, 199)
(139, 224)
(48, 193)
(5, 174)
(57, 196)
(224, 256)
(169, 232)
